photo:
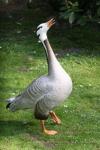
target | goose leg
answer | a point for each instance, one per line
(48, 132)
(54, 117)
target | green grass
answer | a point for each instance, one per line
(22, 59)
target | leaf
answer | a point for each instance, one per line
(64, 15)
(98, 11)
(75, 4)
(71, 17)
(63, 8)
(98, 3)
(82, 20)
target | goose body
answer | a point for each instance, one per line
(48, 91)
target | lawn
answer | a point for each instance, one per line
(22, 59)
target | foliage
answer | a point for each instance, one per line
(70, 11)
(80, 12)
(98, 11)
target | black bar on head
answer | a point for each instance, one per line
(39, 27)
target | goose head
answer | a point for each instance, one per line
(43, 28)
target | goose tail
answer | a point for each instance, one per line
(10, 102)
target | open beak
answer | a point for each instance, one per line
(51, 22)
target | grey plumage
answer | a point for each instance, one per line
(46, 92)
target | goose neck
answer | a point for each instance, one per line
(53, 64)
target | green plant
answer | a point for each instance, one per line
(98, 11)
(70, 11)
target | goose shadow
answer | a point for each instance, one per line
(13, 128)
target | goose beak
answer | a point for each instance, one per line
(51, 22)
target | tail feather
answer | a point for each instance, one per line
(8, 105)
(10, 101)
(21, 101)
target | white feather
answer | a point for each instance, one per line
(11, 99)
(42, 31)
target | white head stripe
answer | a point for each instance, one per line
(42, 31)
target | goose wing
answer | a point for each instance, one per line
(35, 92)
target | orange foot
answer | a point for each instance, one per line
(55, 118)
(50, 132)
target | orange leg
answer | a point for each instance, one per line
(54, 117)
(48, 132)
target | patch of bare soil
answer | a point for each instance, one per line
(67, 51)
